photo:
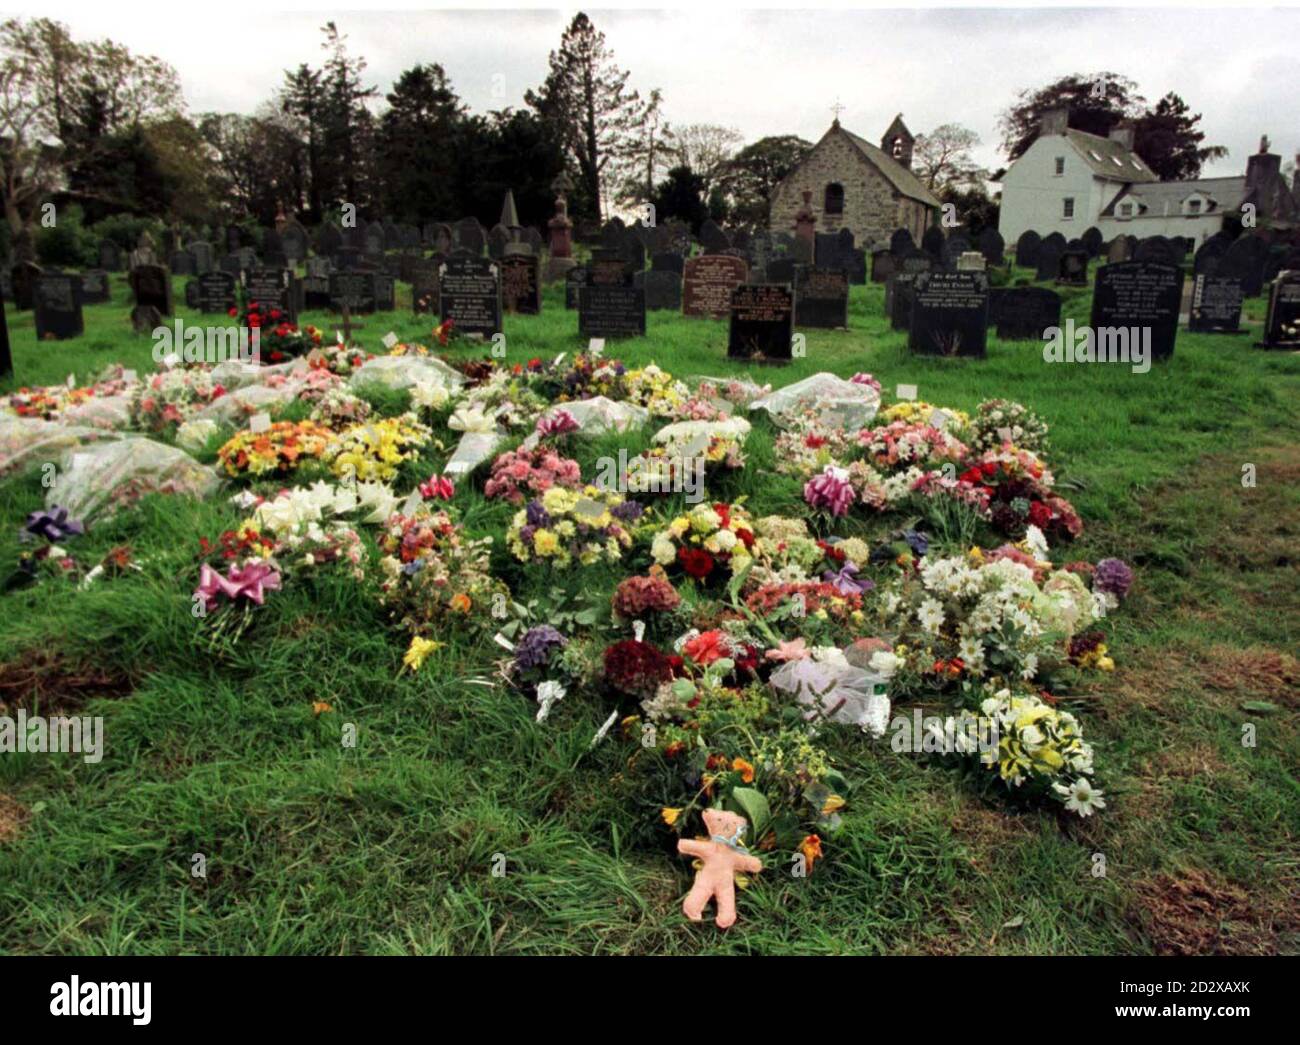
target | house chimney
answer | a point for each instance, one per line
(1295, 180)
(1054, 121)
(1263, 169)
(1122, 132)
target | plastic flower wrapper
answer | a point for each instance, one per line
(103, 478)
(400, 372)
(846, 404)
(834, 689)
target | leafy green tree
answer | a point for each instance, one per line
(415, 146)
(1168, 139)
(681, 196)
(586, 103)
(753, 174)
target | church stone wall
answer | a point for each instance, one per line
(873, 209)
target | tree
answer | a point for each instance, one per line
(1095, 103)
(754, 173)
(943, 157)
(586, 103)
(256, 161)
(681, 195)
(346, 122)
(511, 149)
(975, 210)
(649, 151)
(707, 148)
(1168, 140)
(302, 99)
(415, 146)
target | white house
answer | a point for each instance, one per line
(1067, 178)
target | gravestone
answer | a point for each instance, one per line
(971, 261)
(762, 322)
(833, 250)
(884, 264)
(1024, 313)
(145, 319)
(708, 281)
(1156, 249)
(1244, 260)
(426, 293)
(898, 291)
(712, 238)
(781, 270)
(497, 240)
(353, 290)
(663, 290)
(182, 263)
(954, 246)
(272, 290)
(575, 279)
(521, 287)
(1092, 240)
(667, 261)
(1210, 253)
(901, 242)
(95, 287)
(1117, 251)
(1049, 262)
(1027, 248)
(1074, 268)
(440, 237)
(609, 268)
(375, 241)
(294, 242)
(1216, 305)
(152, 285)
(23, 278)
(329, 240)
(1282, 322)
(821, 298)
(110, 256)
(857, 269)
(932, 242)
(315, 292)
(201, 251)
(992, 246)
(1057, 241)
(385, 292)
(609, 310)
(470, 294)
(469, 236)
(215, 292)
(56, 305)
(1138, 296)
(950, 314)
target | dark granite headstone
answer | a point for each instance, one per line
(95, 287)
(470, 292)
(833, 250)
(469, 236)
(954, 246)
(576, 278)
(182, 263)
(901, 242)
(663, 290)
(883, 265)
(1049, 262)
(1027, 248)
(23, 278)
(1216, 305)
(781, 270)
(1117, 250)
(1024, 313)
(950, 314)
(329, 240)
(1073, 269)
(152, 285)
(271, 289)
(521, 286)
(762, 322)
(932, 242)
(1245, 260)
(110, 256)
(1210, 253)
(1282, 322)
(353, 290)
(56, 305)
(713, 239)
(294, 240)
(608, 310)
(708, 281)
(609, 268)
(667, 261)
(1139, 296)
(992, 246)
(821, 298)
(315, 292)
(1092, 240)
(215, 292)
(1057, 241)
(385, 292)
(1156, 249)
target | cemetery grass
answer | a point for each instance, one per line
(388, 848)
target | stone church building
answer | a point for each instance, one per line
(855, 185)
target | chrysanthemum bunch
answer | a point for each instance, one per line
(339, 408)
(277, 451)
(914, 411)
(707, 541)
(565, 526)
(162, 401)
(1000, 421)
(640, 596)
(903, 444)
(375, 450)
(433, 576)
(1037, 745)
(656, 390)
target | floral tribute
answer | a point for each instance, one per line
(565, 527)
(278, 450)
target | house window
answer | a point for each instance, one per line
(1060, 166)
(1193, 207)
(1126, 210)
(834, 203)
(1067, 208)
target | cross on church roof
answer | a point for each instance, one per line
(837, 108)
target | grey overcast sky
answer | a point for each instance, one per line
(768, 71)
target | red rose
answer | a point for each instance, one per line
(696, 562)
(234, 311)
(745, 537)
(989, 468)
(1039, 514)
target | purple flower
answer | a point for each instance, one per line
(830, 492)
(628, 511)
(535, 647)
(1113, 576)
(846, 581)
(54, 525)
(536, 514)
(917, 541)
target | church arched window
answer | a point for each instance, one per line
(834, 203)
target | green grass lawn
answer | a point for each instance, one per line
(388, 847)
